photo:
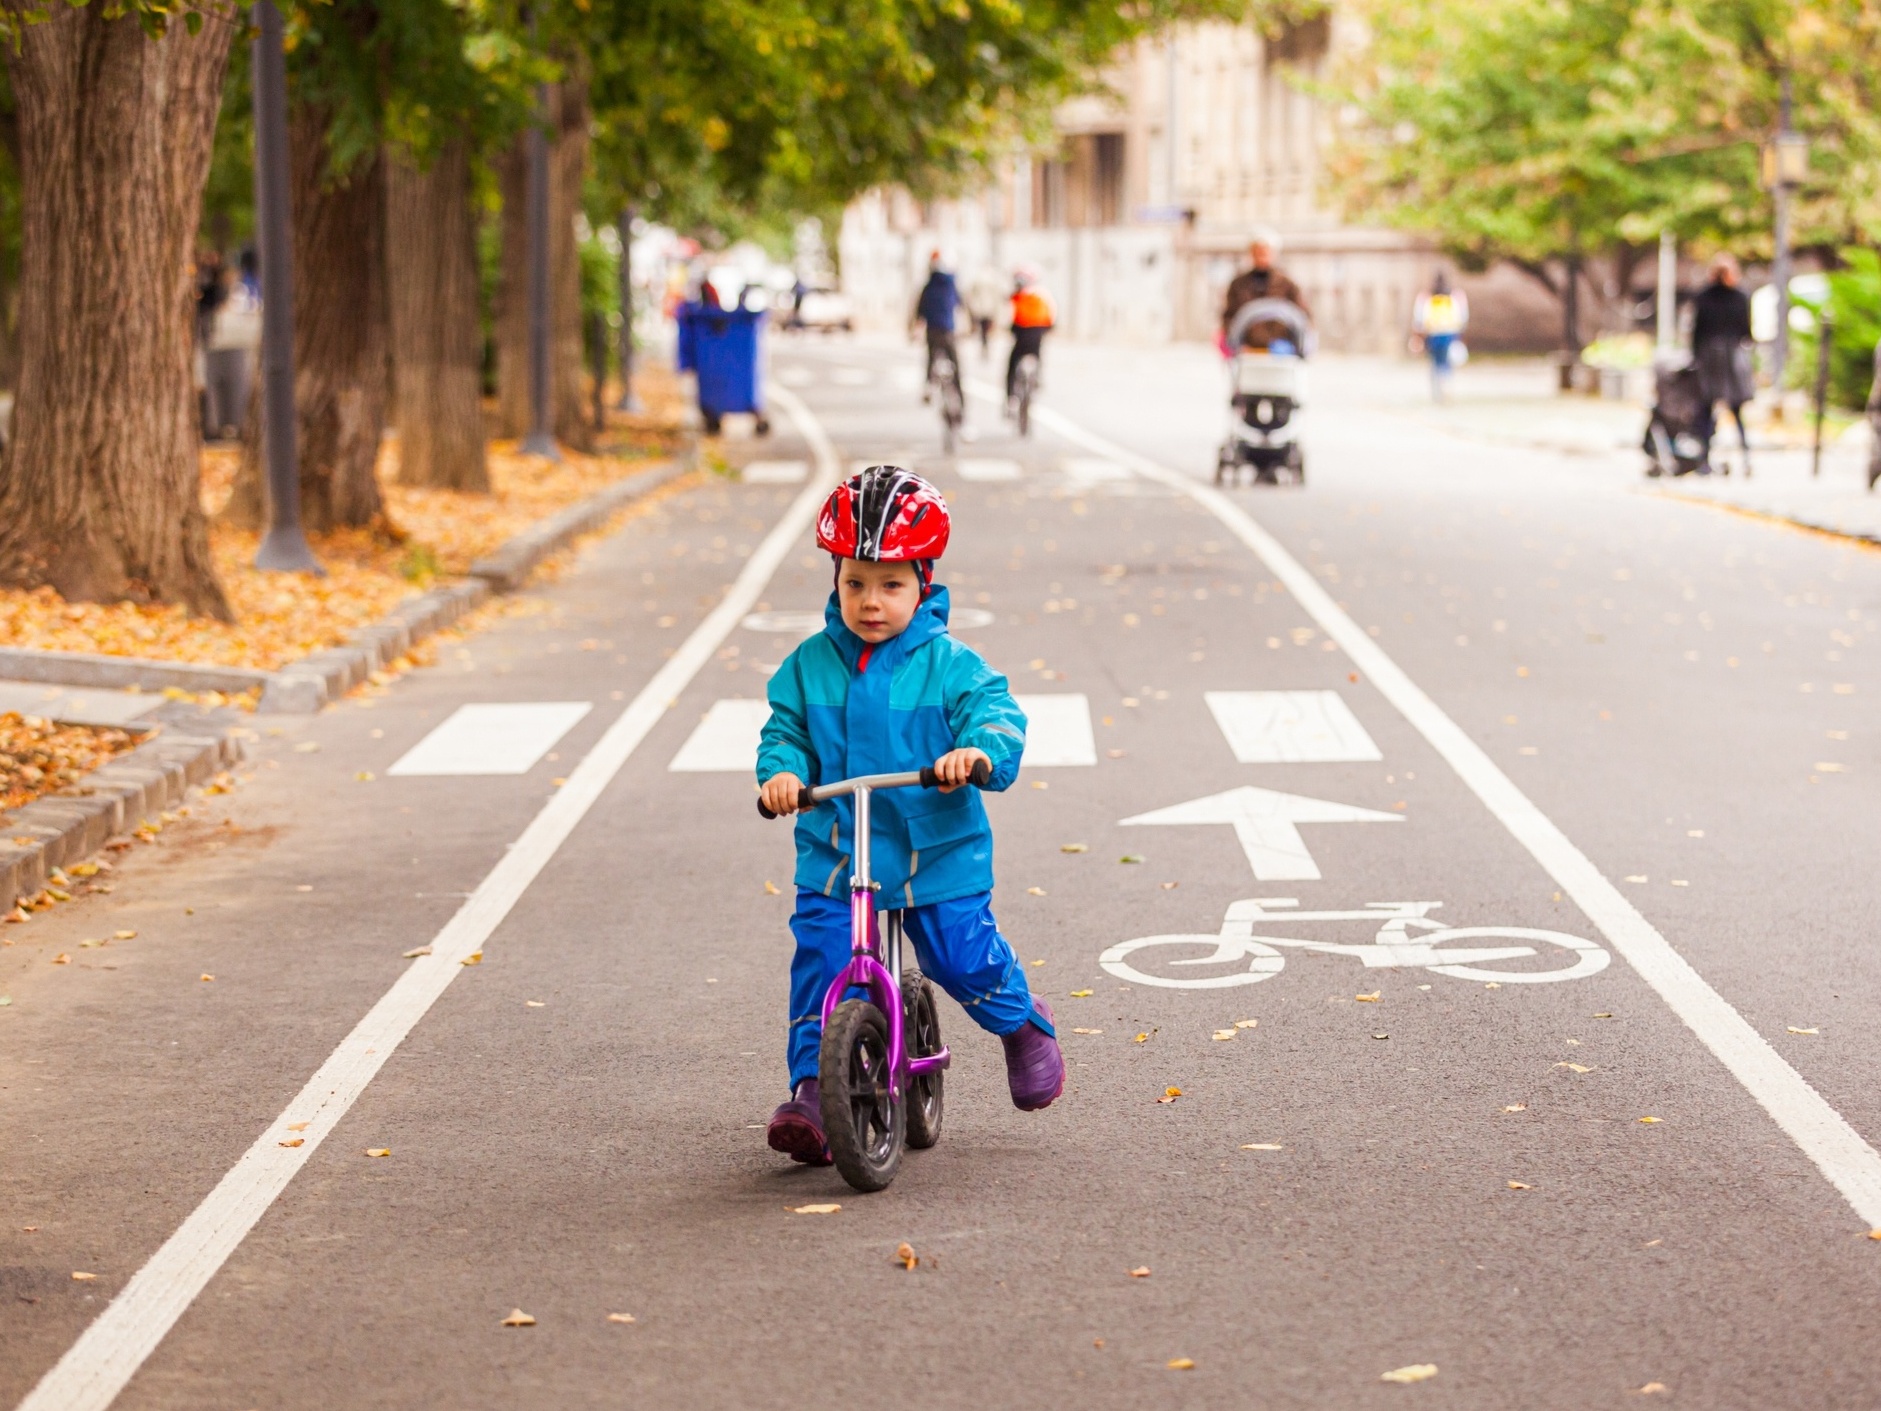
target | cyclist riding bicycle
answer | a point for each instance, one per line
(937, 305)
(1032, 318)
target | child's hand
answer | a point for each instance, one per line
(780, 793)
(956, 767)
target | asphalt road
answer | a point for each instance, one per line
(1557, 705)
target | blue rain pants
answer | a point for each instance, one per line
(956, 944)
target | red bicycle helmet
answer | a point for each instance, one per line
(884, 515)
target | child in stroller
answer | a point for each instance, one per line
(1268, 389)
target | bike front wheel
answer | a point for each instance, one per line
(862, 1120)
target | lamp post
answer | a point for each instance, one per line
(624, 225)
(1668, 293)
(541, 440)
(1785, 167)
(284, 547)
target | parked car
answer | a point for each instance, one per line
(825, 310)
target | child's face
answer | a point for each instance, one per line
(878, 599)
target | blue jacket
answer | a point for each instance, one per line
(940, 297)
(918, 696)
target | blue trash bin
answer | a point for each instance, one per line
(720, 346)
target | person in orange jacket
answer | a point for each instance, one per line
(1032, 318)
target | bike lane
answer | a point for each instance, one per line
(1317, 1206)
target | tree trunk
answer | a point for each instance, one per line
(341, 377)
(568, 155)
(100, 477)
(1571, 307)
(437, 340)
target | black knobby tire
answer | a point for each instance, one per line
(920, 1032)
(864, 1125)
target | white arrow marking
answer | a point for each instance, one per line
(1264, 820)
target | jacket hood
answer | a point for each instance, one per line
(929, 622)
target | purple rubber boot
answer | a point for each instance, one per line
(797, 1127)
(1035, 1069)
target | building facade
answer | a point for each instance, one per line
(1143, 213)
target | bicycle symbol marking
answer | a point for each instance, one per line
(1407, 939)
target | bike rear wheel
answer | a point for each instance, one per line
(863, 1123)
(920, 1031)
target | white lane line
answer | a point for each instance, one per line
(1057, 731)
(1851, 1165)
(774, 472)
(497, 737)
(1290, 727)
(725, 741)
(108, 1353)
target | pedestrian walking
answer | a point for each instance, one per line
(986, 298)
(1262, 280)
(1437, 323)
(1721, 352)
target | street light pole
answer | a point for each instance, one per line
(624, 226)
(1786, 163)
(540, 441)
(284, 548)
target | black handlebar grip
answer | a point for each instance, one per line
(978, 777)
(804, 803)
(764, 812)
(928, 778)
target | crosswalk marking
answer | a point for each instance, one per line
(725, 741)
(496, 738)
(987, 469)
(1290, 727)
(774, 472)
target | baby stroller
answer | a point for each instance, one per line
(1675, 436)
(1268, 391)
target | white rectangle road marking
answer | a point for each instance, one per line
(1290, 727)
(725, 740)
(1821, 1133)
(1057, 731)
(108, 1353)
(494, 738)
(774, 472)
(987, 469)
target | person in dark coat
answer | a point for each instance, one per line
(1721, 350)
(1263, 280)
(936, 306)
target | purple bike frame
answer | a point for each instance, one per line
(866, 969)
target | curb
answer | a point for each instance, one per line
(61, 829)
(310, 683)
(1813, 525)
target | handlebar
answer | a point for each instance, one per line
(923, 778)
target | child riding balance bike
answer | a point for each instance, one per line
(882, 701)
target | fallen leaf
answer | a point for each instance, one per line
(1636, 879)
(770, 888)
(80, 1276)
(1516, 1107)
(1038, 962)
(1140, 1039)
(518, 1319)
(1035, 891)
(206, 976)
(61, 959)
(298, 1126)
(1381, 1036)
(474, 958)
(1114, 754)
(1182, 1364)
(1416, 1372)
(1520, 1186)
(1795, 1030)
(1493, 985)
(307, 747)
(5, 1000)
(1129, 857)
(620, 1317)
(1222, 1035)
(1371, 998)
(1170, 1095)
(29, 1229)
(378, 1151)
(1040, 784)
(905, 1256)
(1170, 886)
(1651, 1244)
(1097, 1342)
(1263, 1146)
(1074, 847)
(414, 954)
(366, 776)
(1652, 1389)
(1603, 1016)
(1140, 1272)
(1247, 1023)
(536, 1003)
(1080, 994)
(814, 1209)
(1652, 1119)
(293, 1141)
(1575, 1067)
(1087, 1031)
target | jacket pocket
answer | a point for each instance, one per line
(943, 826)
